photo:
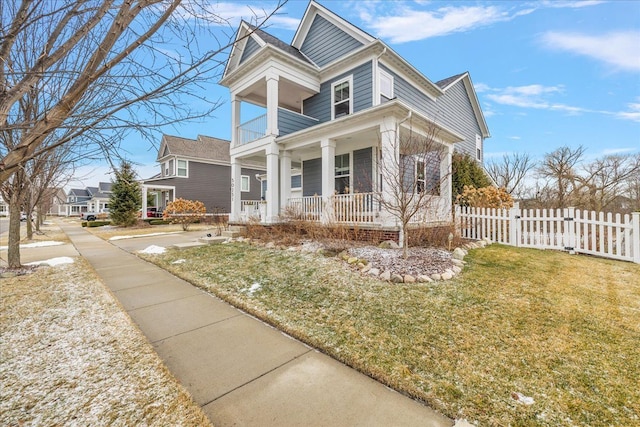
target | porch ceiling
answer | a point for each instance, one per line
(290, 94)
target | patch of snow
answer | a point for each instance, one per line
(53, 261)
(37, 244)
(254, 288)
(133, 236)
(153, 249)
(526, 400)
(179, 261)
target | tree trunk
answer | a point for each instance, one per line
(29, 227)
(13, 255)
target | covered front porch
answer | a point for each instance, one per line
(337, 172)
(159, 196)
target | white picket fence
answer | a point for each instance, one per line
(597, 233)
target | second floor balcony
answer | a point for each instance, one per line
(288, 122)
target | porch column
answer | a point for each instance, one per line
(272, 104)
(236, 173)
(446, 181)
(285, 178)
(143, 212)
(389, 166)
(328, 177)
(235, 119)
(273, 206)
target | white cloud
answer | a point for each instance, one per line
(229, 13)
(538, 97)
(620, 49)
(613, 151)
(571, 3)
(411, 23)
(516, 138)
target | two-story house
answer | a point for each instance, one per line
(197, 169)
(89, 199)
(336, 101)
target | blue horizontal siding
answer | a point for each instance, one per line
(289, 122)
(250, 48)
(325, 42)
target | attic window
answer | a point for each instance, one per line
(341, 97)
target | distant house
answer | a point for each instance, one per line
(89, 199)
(198, 169)
(4, 207)
(54, 201)
(335, 101)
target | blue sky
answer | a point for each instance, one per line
(547, 73)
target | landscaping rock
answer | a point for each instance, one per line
(270, 245)
(456, 269)
(385, 275)
(374, 272)
(396, 278)
(436, 277)
(360, 265)
(457, 262)
(352, 260)
(458, 253)
(481, 243)
(409, 278)
(446, 275)
(388, 244)
(423, 278)
(365, 268)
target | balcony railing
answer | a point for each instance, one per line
(252, 130)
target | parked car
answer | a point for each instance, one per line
(23, 216)
(92, 216)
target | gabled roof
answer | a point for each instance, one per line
(104, 186)
(203, 148)
(92, 190)
(79, 192)
(276, 42)
(449, 82)
(313, 9)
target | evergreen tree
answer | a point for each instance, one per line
(467, 171)
(125, 199)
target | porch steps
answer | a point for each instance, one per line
(215, 240)
(235, 231)
(187, 245)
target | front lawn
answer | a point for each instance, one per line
(522, 337)
(70, 355)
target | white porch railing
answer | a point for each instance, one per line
(596, 233)
(343, 208)
(251, 209)
(252, 130)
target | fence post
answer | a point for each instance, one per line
(635, 236)
(570, 230)
(514, 215)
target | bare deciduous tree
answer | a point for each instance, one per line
(511, 171)
(559, 169)
(103, 65)
(411, 176)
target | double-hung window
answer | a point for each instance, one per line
(342, 173)
(386, 86)
(341, 97)
(182, 168)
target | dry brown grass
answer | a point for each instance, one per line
(69, 355)
(560, 329)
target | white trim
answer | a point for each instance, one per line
(478, 148)
(349, 80)
(186, 168)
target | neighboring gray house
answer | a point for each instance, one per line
(89, 199)
(198, 169)
(336, 100)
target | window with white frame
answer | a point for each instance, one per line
(428, 174)
(342, 173)
(244, 184)
(421, 183)
(296, 181)
(386, 86)
(182, 168)
(341, 101)
(478, 147)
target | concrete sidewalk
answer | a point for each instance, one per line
(241, 371)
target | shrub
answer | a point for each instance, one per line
(184, 212)
(159, 222)
(466, 172)
(485, 197)
(97, 223)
